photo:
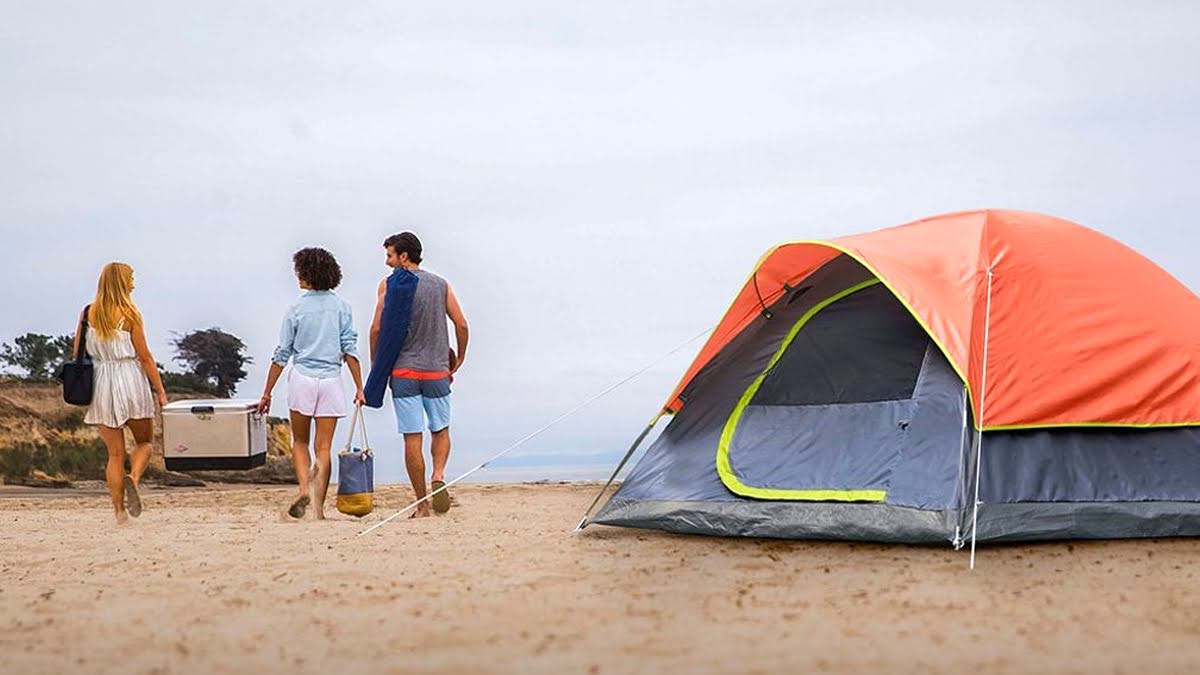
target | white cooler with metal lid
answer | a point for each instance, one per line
(216, 434)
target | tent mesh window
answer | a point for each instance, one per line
(863, 348)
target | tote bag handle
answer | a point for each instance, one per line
(357, 420)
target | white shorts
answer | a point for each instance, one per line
(316, 397)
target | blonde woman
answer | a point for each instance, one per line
(125, 371)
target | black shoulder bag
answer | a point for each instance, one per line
(76, 375)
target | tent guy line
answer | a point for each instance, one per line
(544, 428)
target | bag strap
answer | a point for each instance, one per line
(362, 426)
(358, 419)
(353, 423)
(82, 332)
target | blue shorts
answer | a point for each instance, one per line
(421, 404)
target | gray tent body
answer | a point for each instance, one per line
(864, 426)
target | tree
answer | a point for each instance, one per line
(214, 356)
(38, 355)
(185, 383)
(66, 347)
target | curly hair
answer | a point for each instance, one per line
(317, 268)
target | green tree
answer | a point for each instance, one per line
(38, 355)
(66, 346)
(214, 356)
(189, 383)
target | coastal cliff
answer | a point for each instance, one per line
(44, 442)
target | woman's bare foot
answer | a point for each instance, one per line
(311, 491)
(133, 501)
(122, 518)
(298, 507)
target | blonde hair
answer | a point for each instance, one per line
(113, 303)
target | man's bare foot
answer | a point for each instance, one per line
(122, 519)
(422, 511)
(319, 515)
(441, 496)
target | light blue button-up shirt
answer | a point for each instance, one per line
(316, 333)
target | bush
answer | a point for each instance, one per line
(77, 459)
(18, 461)
(70, 420)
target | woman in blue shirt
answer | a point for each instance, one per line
(317, 335)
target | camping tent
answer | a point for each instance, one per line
(881, 386)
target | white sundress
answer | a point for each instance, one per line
(122, 391)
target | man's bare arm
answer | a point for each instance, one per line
(378, 320)
(461, 333)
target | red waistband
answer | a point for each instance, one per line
(410, 374)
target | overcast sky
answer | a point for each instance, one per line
(594, 179)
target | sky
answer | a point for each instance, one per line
(594, 179)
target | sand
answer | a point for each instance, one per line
(215, 580)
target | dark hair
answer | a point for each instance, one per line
(405, 242)
(317, 268)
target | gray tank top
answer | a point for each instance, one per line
(427, 346)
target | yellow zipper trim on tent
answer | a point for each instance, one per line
(725, 469)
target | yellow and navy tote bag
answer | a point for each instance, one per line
(356, 472)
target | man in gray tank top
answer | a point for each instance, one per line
(423, 370)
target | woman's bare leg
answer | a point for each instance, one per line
(139, 459)
(326, 426)
(301, 461)
(114, 472)
(302, 464)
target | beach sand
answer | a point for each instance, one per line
(216, 580)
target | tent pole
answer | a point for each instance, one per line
(987, 321)
(583, 522)
(960, 484)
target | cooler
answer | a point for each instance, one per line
(218, 434)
